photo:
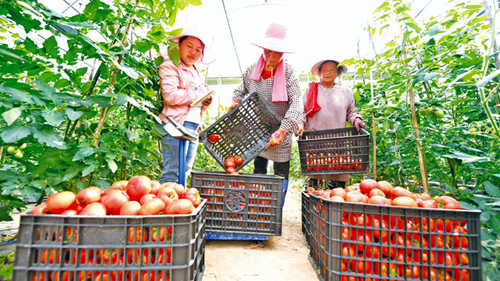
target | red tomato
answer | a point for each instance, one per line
(238, 160)
(115, 200)
(367, 185)
(339, 191)
(385, 186)
(167, 194)
(69, 213)
(131, 208)
(152, 207)
(146, 198)
(213, 138)
(446, 202)
(404, 201)
(229, 163)
(89, 195)
(376, 192)
(138, 186)
(94, 209)
(192, 194)
(60, 202)
(429, 204)
(180, 190)
(399, 191)
(354, 198)
(40, 209)
(230, 170)
(180, 207)
(155, 187)
(121, 185)
(378, 200)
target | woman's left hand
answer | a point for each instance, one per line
(207, 102)
(359, 123)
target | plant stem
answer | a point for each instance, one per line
(374, 142)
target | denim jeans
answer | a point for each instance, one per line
(171, 156)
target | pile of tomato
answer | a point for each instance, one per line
(384, 245)
(231, 163)
(332, 162)
(139, 196)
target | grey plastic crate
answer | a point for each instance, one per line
(335, 151)
(241, 204)
(54, 247)
(244, 131)
(330, 222)
(305, 218)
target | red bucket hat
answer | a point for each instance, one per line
(274, 39)
(208, 56)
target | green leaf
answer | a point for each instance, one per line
(89, 169)
(468, 206)
(174, 55)
(112, 165)
(6, 270)
(30, 193)
(16, 94)
(495, 223)
(11, 116)
(433, 29)
(130, 72)
(53, 118)
(50, 47)
(84, 152)
(121, 99)
(491, 189)
(391, 44)
(70, 173)
(45, 88)
(48, 136)
(10, 54)
(72, 114)
(194, 2)
(15, 133)
(487, 79)
(430, 76)
(414, 26)
(5, 214)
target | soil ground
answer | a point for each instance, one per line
(281, 257)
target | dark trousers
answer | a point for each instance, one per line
(280, 168)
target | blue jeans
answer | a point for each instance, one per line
(171, 156)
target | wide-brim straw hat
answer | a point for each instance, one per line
(274, 39)
(208, 56)
(315, 68)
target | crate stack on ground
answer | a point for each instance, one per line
(349, 241)
(162, 247)
(241, 206)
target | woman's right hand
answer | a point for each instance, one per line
(300, 131)
(234, 104)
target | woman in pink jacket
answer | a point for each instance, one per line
(180, 86)
(329, 105)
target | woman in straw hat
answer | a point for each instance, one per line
(328, 105)
(278, 85)
(180, 86)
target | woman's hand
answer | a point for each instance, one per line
(276, 138)
(359, 123)
(300, 131)
(233, 105)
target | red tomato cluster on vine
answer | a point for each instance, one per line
(137, 196)
(437, 243)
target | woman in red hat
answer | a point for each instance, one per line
(328, 105)
(180, 86)
(278, 85)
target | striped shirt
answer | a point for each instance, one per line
(290, 112)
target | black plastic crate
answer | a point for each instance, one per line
(350, 240)
(305, 218)
(164, 247)
(244, 131)
(241, 204)
(335, 151)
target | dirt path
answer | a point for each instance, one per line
(282, 257)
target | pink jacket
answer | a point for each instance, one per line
(178, 89)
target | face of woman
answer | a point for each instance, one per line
(272, 58)
(191, 50)
(328, 73)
